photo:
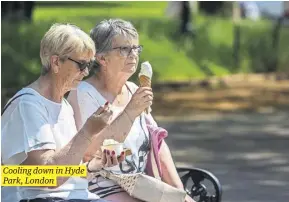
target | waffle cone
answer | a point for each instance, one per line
(145, 82)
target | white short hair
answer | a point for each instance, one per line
(63, 40)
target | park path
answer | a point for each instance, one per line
(248, 152)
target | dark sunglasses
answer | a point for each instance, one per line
(83, 65)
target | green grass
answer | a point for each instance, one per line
(172, 57)
(160, 53)
(46, 11)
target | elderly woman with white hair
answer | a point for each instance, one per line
(117, 55)
(38, 127)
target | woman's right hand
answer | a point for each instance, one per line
(140, 100)
(98, 120)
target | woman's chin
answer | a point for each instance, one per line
(75, 84)
(129, 70)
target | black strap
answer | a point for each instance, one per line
(129, 89)
(9, 103)
(141, 119)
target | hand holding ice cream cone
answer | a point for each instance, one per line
(140, 101)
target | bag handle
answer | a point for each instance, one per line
(155, 169)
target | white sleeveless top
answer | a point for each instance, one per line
(89, 100)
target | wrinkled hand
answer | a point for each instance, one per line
(98, 120)
(140, 100)
(105, 159)
(189, 199)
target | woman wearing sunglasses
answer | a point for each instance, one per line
(38, 127)
(117, 55)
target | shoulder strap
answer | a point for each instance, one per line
(65, 100)
(128, 89)
(9, 103)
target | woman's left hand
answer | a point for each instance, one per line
(105, 159)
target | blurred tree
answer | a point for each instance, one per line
(185, 17)
(211, 7)
(17, 10)
(237, 33)
(272, 67)
(187, 21)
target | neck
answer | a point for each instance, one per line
(112, 84)
(50, 88)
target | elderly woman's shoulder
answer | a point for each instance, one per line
(25, 100)
(26, 95)
(30, 97)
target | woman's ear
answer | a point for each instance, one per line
(101, 60)
(55, 64)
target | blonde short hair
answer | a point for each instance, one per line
(63, 40)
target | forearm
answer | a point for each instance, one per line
(72, 153)
(117, 130)
(170, 174)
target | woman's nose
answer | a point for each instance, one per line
(133, 53)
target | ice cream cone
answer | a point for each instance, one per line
(145, 82)
(145, 77)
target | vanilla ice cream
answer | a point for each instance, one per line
(112, 145)
(146, 70)
(109, 142)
